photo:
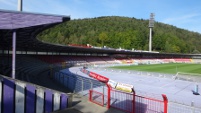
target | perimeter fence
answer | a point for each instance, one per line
(78, 84)
(174, 107)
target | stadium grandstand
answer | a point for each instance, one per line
(33, 79)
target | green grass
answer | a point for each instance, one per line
(171, 68)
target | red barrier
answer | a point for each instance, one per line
(122, 101)
(96, 97)
(147, 105)
(131, 103)
(127, 102)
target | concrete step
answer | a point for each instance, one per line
(82, 105)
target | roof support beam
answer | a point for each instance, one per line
(13, 54)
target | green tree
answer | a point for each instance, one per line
(103, 38)
(115, 32)
(195, 52)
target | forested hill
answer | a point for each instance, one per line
(124, 32)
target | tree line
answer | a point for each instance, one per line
(123, 32)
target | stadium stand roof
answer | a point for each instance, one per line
(29, 25)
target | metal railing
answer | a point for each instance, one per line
(174, 107)
(19, 97)
(78, 84)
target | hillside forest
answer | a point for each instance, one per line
(123, 32)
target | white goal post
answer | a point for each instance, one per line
(187, 76)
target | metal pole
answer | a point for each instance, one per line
(8, 55)
(150, 39)
(108, 98)
(196, 88)
(165, 100)
(192, 107)
(133, 102)
(103, 94)
(14, 43)
(13, 54)
(19, 8)
(82, 85)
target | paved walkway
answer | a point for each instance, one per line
(80, 104)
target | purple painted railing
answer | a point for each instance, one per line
(22, 97)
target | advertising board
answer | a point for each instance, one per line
(124, 87)
(99, 77)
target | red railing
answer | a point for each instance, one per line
(130, 102)
(96, 97)
(122, 100)
(150, 105)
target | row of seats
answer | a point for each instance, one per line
(76, 59)
(33, 65)
(27, 67)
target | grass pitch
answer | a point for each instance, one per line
(171, 68)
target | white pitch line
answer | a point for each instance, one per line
(183, 88)
(166, 84)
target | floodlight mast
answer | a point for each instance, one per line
(151, 25)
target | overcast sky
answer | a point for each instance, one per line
(185, 14)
